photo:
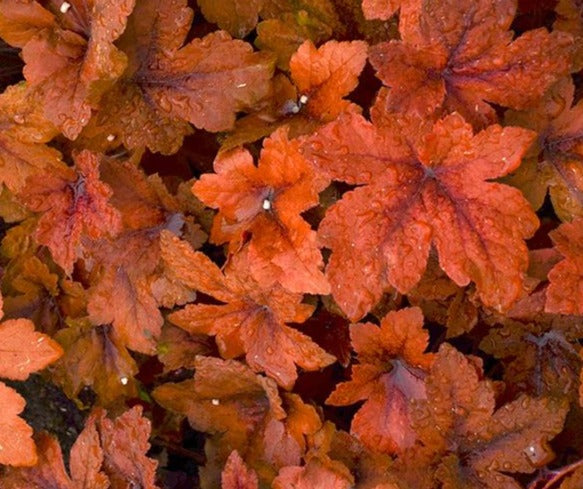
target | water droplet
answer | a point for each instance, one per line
(124, 381)
(215, 402)
(266, 204)
(269, 350)
(111, 137)
(18, 118)
(316, 146)
(65, 6)
(344, 150)
(304, 99)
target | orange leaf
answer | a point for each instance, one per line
(253, 319)
(24, 131)
(390, 373)
(75, 61)
(265, 202)
(205, 82)
(23, 351)
(327, 74)
(16, 445)
(420, 188)
(462, 57)
(75, 206)
(565, 292)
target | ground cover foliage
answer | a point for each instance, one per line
(293, 244)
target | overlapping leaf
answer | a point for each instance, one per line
(252, 320)
(264, 202)
(390, 373)
(462, 58)
(22, 352)
(475, 443)
(107, 454)
(418, 188)
(555, 162)
(168, 84)
(71, 58)
(74, 206)
(24, 131)
(565, 292)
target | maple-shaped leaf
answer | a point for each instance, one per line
(16, 441)
(236, 475)
(252, 319)
(565, 291)
(237, 17)
(327, 74)
(416, 189)
(390, 373)
(94, 357)
(73, 61)
(265, 203)
(74, 204)
(167, 85)
(555, 161)
(127, 277)
(479, 446)
(322, 77)
(463, 57)
(24, 351)
(24, 132)
(107, 454)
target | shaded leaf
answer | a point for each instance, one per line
(253, 319)
(205, 82)
(237, 17)
(564, 294)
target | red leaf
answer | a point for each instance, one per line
(75, 206)
(417, 190)
(389, 375)
(462, 56)
(236, 475)
(266, 202)
(565, 291)
(125, 442)
(253, 319)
